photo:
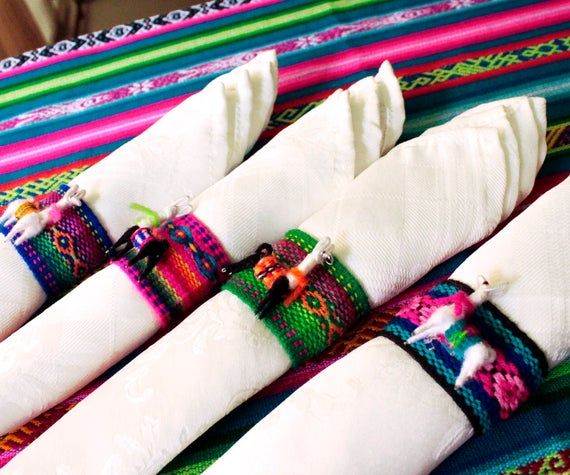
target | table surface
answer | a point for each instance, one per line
(65, 107)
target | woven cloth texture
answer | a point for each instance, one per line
(497, 391)
(68, 251)
(186, 274)
(331, 302)
(449, 55)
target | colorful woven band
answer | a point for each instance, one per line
(186, 274)
(67, 251)
(332, 301)
(497, 390)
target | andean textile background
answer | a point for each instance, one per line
(65, 107)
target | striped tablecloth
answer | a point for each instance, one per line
(64, 107)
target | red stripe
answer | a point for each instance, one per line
(505, 48)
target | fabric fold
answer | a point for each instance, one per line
(426, 200)
(183, 153)
(117, 309)
(385, 408)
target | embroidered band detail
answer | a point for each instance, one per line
(186, 272)
(498, 388)
(67, 251)
(309, 321)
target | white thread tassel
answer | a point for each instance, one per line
(322, 253)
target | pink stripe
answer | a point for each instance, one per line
(424, 43)
(139, 36)
(48, 147)
(293, 44)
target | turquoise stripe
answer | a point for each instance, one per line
(506, 445)
(161, 39)
(521, 457)
(534, 81)
(264, 40)
(519, 347)
(423, 349)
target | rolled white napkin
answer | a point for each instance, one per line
(106, 317)
(449, 187)
(377, 410)
(186, 151)
(524, 135)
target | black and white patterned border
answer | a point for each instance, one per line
(118, 32)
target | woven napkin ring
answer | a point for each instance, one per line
(174, 266)
(58, 236)
(304, 296)
(473, 351)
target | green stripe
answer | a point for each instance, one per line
(563, 148)
(175, 49)
(201, 464)
(561, 370)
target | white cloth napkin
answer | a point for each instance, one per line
(376, 410)
(449, 187)
(106, 318)
(526, 136)
(186, 151)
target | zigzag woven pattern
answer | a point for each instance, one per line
(554, 463)
(186, 274)
(486, 63)
(332, 301)
(39, 187)
(67, 252)
(497, 390)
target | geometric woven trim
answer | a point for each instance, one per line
(117, 33)
(66, 252)
(341, 274)
(497, 390)
(330, 303)
(187, 273)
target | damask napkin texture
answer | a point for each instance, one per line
(183, 153)
(426, 200)
(378, 411)
(110, 315)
